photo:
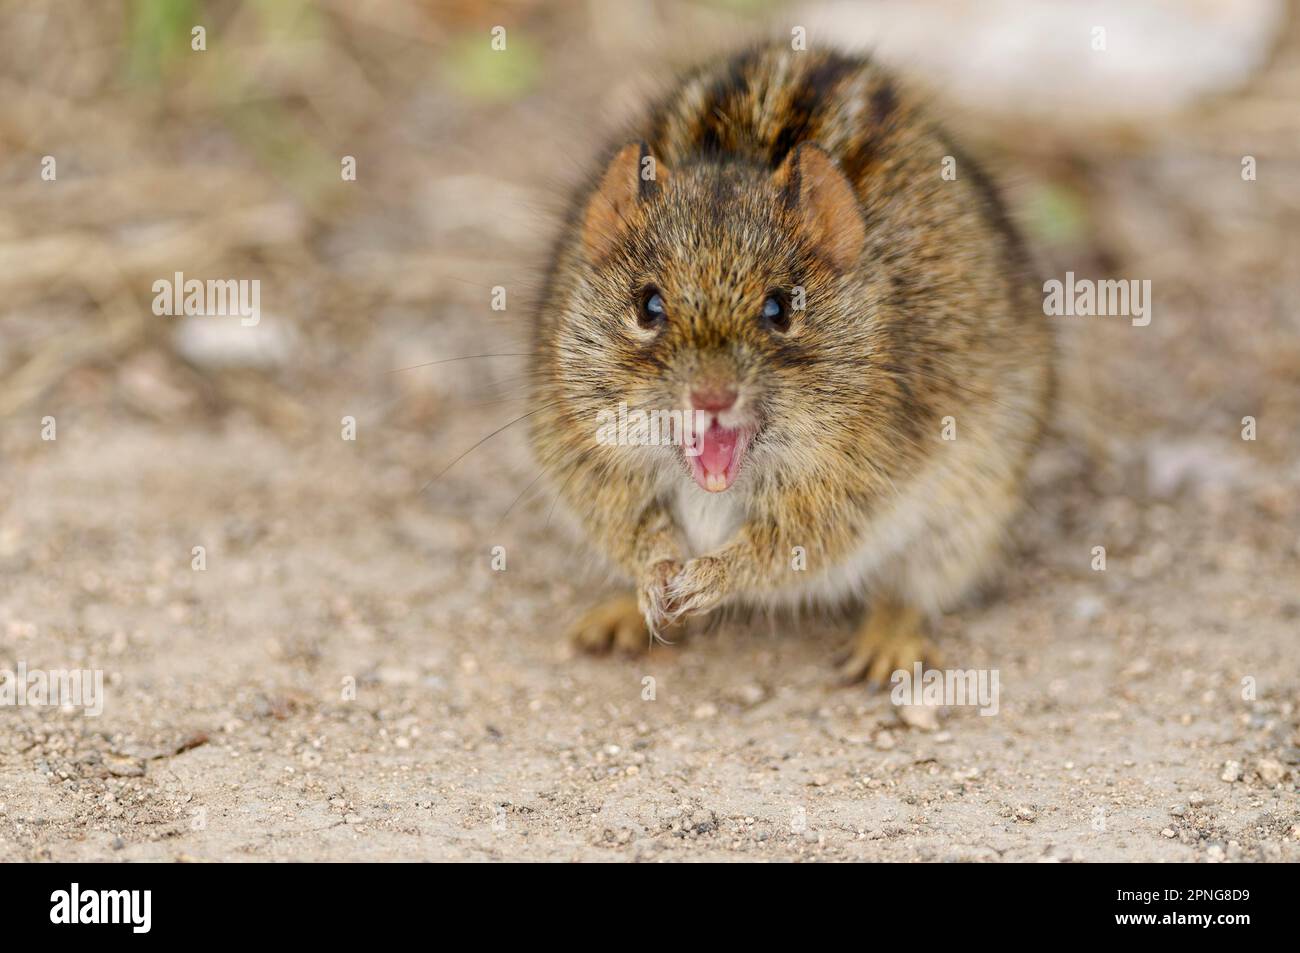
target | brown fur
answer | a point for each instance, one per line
(920, 305)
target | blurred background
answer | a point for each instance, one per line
(226, 162)
(1121, 154)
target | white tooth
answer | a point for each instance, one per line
(715, 482)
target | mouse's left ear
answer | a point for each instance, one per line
(823, 198)
(631, 176)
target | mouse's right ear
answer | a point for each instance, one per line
(631, 176)
(823, 198)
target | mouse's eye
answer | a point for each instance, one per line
(652, 311)
(776, 312)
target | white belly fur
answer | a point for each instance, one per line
(707, 520)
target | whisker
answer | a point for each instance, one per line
(449, 360)
(531, 484)
(560, 493)
(494, 401)
(480, 443)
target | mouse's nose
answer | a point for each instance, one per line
(713, 399)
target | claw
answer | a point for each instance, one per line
(699, 587)
(892, 638)
(616, 623)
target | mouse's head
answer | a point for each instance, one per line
(723, 291)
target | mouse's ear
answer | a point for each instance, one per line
(631, 176)
(823, 198)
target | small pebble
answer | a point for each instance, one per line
(1270, 772)
(750, 694)
(921, 717)
(702, 821)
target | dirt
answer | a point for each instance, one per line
(340, 673)
(475, 734)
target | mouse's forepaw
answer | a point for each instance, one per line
(698, 587)
(652, 596)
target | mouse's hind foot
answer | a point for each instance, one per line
(892, 637)
(615, 623)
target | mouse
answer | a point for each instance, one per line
(789, 255)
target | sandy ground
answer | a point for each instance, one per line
(475, 734)
(348, 678)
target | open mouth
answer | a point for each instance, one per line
(716, 454)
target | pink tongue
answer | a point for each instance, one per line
(717, 449)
